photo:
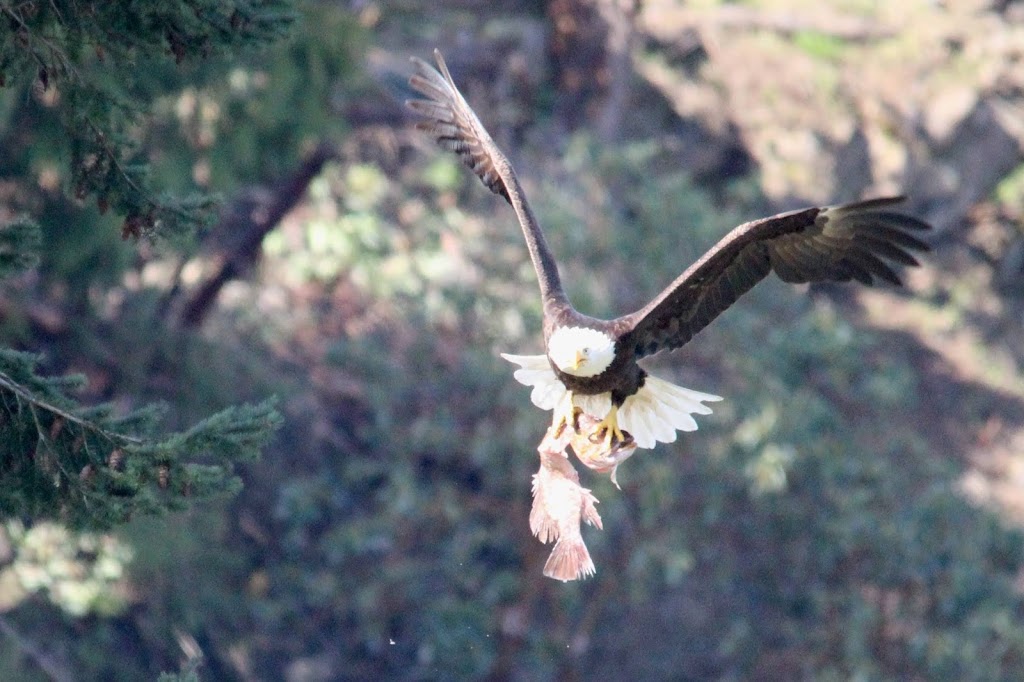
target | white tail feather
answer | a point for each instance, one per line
(535, 370)
(651, 415)
(527, 361)
(546, 396)
(659, 409)
(598, 405)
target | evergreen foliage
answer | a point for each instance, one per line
(87, 74)
(98, 65)
(89, 468)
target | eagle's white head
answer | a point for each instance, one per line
(581, 351)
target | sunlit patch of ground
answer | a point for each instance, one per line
(987, 434)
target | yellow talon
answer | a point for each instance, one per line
(569, 416)
(608, 428)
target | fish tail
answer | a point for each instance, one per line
(569, 560)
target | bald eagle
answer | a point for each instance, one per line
(591, 364)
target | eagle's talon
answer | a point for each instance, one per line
(570, 416)
(576, 414)
(608, 430)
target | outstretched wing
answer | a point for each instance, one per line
(840, 243)
(453, 124)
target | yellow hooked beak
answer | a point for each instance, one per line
(580, 358)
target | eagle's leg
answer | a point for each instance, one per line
(566, 415)
(608, 428)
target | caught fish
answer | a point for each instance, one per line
(560, 505)
(596, 452)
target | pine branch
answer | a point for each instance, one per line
(7, 383)
(89, 469)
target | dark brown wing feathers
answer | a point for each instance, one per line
(854, 241)
(451, 121)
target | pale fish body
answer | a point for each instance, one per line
(594, 451)
(560, 505)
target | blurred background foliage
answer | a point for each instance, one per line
(851, 510)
